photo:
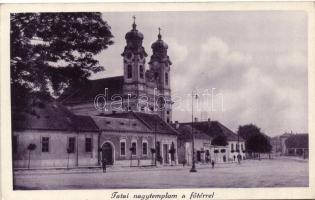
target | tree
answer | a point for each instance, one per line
(255, 140)
(246, 131)
(30, 147)
(52, 51)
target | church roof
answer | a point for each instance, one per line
(86, 92)
(42, 115)
(215, 128)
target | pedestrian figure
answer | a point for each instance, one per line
(212, 163)
(184, 163)
(239, 159)
(104, 165)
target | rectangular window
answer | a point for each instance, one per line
(45, 144)
(15, 144)
(134, 148)
(122, 148)
(232, 147)
(144, 148)
(71, 145)
(242, 147)
(88, 144)
(129, 71)
(237, 147)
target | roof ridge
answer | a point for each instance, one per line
(139, 118)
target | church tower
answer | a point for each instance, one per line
(134, 57)
(160, 67)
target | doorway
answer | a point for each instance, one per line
(107, 153)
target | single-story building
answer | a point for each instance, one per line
(205, 150)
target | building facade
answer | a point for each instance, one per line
(205, 150)
(63, 139)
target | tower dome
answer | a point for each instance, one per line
(159, 45)
(159, 49)
(134, 40)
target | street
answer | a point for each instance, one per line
(250, 173)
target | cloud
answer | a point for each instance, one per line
(177, 52)
(272, 95)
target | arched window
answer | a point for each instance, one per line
(141, 71)
(166, 78)
(129, 71)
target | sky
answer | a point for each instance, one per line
(246, 66)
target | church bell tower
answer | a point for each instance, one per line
(160, 66)
(134, 61)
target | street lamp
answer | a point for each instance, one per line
(193, 167)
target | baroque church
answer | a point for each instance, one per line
(139, 89)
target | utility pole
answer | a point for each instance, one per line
(193, 167)
(155, 143)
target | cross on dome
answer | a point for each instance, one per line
(160, 36)
(134, 23)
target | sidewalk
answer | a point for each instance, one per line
(98, 169)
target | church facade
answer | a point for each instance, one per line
(138, 89)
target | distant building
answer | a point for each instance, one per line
(205, 132)
(293, 144)
(297, 145)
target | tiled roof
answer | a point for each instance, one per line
(50, 116)
(152, 121)
(185, 132)
(215, 128)
(156, 123)
(87, 91)
(120, 124)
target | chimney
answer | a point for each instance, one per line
(176, 125)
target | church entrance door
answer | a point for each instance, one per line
(107, 153)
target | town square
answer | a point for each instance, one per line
(159, 100)
(250, 173)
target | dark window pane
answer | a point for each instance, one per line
(45, 144)
(166, 78)
(144, 148)
(88, 144)
(71, 145)
(134, 147)
(129, 71)
(122, 148)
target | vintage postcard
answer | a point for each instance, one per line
(156, 101)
